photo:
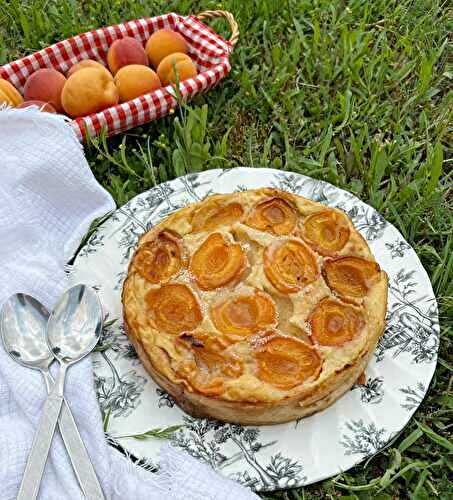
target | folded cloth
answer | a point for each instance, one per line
(48, 199)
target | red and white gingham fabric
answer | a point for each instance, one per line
(208, 50)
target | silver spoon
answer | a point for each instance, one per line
(23, 326)
(73, 330)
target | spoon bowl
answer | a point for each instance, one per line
(23, 325)
(75, 325)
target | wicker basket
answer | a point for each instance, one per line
(208, 50)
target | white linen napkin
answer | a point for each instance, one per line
(48, 198)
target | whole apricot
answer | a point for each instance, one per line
(125, 51)
(162, 43)
(88, 63)
(9, 94)
(135, 80)
(43, 106)
(185, 68)
(87, 91)
(45, 85)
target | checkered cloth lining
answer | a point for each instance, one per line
(209, 51)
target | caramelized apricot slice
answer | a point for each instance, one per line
(286, 361)
(334, 324)
(327, 232)
(274, 215)
(160, 259)
(351, 276)
(244, 314)
(173, 308)
(290, 265)
(217, 262)
(215, 214)
(206, 365)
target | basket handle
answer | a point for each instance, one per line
(211, 14)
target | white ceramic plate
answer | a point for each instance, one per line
(269, 457)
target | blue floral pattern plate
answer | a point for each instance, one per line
(269, 457)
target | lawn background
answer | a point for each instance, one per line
(357, 93)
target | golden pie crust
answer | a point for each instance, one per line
(256, 307)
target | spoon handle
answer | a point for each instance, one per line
(79, 456)
(76, 449)
(37, 458)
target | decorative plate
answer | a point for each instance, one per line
(270, 457)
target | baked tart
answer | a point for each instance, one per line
(257, 307)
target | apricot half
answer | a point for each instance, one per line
(286, 361)
(207, 366)
(160, 259)
(173, 308)
(215, 214)
(290, 265)
(217, 262)
(244, 314)
(334, 323)
(351, 276)
(275, 216)
(327, 232)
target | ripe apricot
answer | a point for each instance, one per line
(87, 63)
(9, 94)
(162, 43)
(125, 51)
(135, 80)
(185, 68)
(45, 85)
(87, 91)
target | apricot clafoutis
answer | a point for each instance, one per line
(256, 307)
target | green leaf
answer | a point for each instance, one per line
(347, 103)
(178, 163)
(425, 73)
(379, 164)
(25, 27)
(436, 168)
(410, 440)
(106, 421)
(158, 433)
(102, 348)
(325, 144)
(440, 440)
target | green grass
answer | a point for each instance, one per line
(354, 92)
